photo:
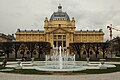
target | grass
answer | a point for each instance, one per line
(113, 59)
(28, 71)
(29, 59)
(118, 55)
(84, 59)
(1, 67)
(77, 59)
(101, 71)
(107, 59)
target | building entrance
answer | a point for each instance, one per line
(59, 40)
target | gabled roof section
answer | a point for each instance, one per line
(59, 28)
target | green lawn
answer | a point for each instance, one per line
(107, 59)
(1, 67)
(101, 71)
(28, 71)
(113, 59)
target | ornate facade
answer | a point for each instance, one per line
(59, 30)
(6, 38)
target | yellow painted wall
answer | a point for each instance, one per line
(67, 28)
(30, 36)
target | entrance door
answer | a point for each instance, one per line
(59, 43)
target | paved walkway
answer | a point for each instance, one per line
(109, 76)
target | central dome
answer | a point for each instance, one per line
(59, 15)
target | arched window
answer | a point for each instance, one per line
(22, 52)
(84, 53)
(28, 52)
(91, 52)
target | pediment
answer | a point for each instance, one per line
(59, 30)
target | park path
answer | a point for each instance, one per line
(108, 76)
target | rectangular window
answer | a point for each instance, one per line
(54, 43)
(54, 36)
(59, 43)
(64, 43)
(64, 36)
(59, 37)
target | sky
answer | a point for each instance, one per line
(88, 14)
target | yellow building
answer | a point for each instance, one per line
(59, 30)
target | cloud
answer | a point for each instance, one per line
(30, 14)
